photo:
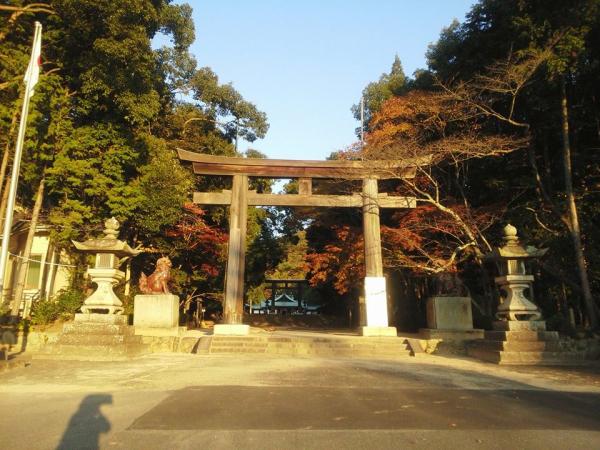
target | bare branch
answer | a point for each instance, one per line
(541, 224)
(17, 11)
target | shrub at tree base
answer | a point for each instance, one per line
(61, 307)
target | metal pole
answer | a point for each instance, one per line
(236, 136)
(362, 121)
(12, 194)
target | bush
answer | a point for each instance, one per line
(60, 307)
(560, 323)
(4, 313)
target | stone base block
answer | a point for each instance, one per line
(516, 325)
(522, 342)
(95, 337)
(522, 335)
(545, 358)
(160, 332)
(378, 331)
(451, 335)
(231, 329)
(108, 319)
(156, 311)
(449, 313)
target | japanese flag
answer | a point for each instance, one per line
(33, 69)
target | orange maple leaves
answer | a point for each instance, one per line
(341, 263)
(195, 234)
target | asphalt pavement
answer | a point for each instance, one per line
(171, 401)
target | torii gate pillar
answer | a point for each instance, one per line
(233, 306)
(375, 288)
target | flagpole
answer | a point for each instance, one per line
(12, 193)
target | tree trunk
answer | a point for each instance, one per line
(574, 229)
(6, 156)
(4, 200)
(3, 167)
(127, 279)
(23, 263)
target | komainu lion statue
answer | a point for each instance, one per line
(158, 282)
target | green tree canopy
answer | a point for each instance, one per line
(377, 92)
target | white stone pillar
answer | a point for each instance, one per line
(375, 287)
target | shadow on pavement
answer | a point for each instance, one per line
(86, 425)
(364, 396)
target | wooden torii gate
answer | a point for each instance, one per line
(239, 198)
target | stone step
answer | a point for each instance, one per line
(341, 354)
(525, 335)
(310, 345)
(239, 344)
(309, 352)
(284, 339)
(517, 346)
(90, 352)
(359, 340)
(220, 338)
(232, 349)
(96, 328)
(540, 357)
(98, 339)
(237, 350)
(107, 319)
(302, 346)
(526, 357)
(334, 346)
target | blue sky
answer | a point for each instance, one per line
(305, 63)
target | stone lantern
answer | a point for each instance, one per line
(110, 253)
(514, 280)
(519, 336)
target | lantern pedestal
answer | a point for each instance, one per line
(515, 306)
(104, 299)
(515, 325)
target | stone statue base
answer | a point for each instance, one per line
(449, 313)
(156, 311)
(369, 331)
(226, 329)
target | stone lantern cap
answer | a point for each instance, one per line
(109, 243)
(512, 248)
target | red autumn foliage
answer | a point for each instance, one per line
(436, 125)
(341, 263)
(194, 234)
(426, 239)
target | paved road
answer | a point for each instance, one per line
(189, 401)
